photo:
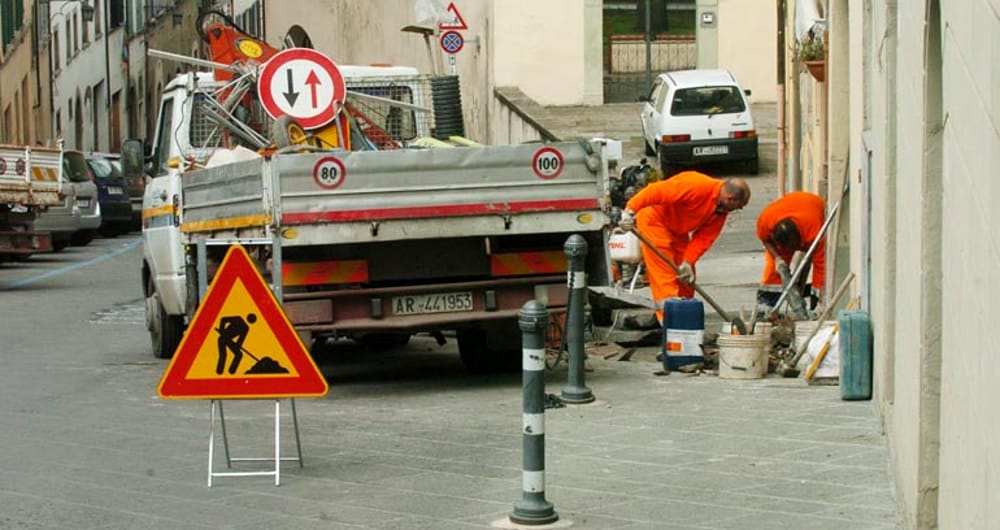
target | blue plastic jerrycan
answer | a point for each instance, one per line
(856, 355)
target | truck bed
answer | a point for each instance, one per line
(29, 175)
(339, 197)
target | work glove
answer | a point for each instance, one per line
(627, 222)
(685, 273)
(783, 271)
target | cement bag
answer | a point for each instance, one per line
(830, 367)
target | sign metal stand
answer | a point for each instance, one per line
(217, 404)
(277, 458)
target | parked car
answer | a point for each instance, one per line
(62, 220)
(692, 117)
(135, 186)
(82, 180)
(116, 208)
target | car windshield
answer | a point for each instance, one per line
(707, 100)
(103, 168)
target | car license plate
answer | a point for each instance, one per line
(83, 203)
(432, 303)
(711, 150)
(115, 190)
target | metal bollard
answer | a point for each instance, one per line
(576, 391)
(533, 509)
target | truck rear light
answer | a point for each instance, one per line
(743, 134)
(525, 263)
(298, 273)
(673, 138)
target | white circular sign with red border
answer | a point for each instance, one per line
(329, 172)
(304, 84)
(547, 163)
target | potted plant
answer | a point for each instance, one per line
(812, 54)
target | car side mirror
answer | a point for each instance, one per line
(746, 91)
(133, 158)
(643, 99)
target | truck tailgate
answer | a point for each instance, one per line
(30, 175)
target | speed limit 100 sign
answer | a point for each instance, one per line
(547, 163)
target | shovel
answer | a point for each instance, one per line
(737, 322)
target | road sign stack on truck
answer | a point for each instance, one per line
(369, 243)
(29, 183)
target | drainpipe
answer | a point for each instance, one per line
(781, 98)
(107, 75)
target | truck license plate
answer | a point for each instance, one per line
(711, 150)
(432, 303)
(83, 203)
(115, 190)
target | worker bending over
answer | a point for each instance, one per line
(788, 224)
(682, 216)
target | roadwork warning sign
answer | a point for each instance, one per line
(240, 343)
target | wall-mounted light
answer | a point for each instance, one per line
(87, 11)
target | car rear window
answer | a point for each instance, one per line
(102, 168)
(707, 100)
(77, 166)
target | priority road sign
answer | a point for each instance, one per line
(452, 42)
(240, 344)
(304, 84)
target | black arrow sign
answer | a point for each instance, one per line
(291, 95)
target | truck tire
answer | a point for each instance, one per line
(164, 330)
(494, 348)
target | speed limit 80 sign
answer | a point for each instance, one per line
(547, 163)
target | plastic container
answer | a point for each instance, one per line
(743, 356)
(624, 247)
(683, 332)
(855, 355)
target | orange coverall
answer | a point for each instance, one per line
(807, 211)
(678, 216)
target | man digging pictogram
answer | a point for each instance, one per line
(233, 332)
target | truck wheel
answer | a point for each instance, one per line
(164, 330)
(494, 348)
(753, 165)
(649, 150)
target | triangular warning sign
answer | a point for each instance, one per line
(455, 20)
(240, 344)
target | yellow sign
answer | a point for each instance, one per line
(250, 48)
(240, 344)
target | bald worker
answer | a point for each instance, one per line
(682, 216)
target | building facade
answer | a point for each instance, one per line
(912, 126)
(24, 84)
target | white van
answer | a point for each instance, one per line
(697, 116)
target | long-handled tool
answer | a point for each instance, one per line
(812, 248)
(737, 322)
(789, 369)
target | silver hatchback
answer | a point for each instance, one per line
(80, 175)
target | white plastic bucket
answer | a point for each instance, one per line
(624, 247)
(743, 356)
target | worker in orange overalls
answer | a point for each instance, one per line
(788, 224)
(682, 216)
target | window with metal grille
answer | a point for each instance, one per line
(11, 19)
